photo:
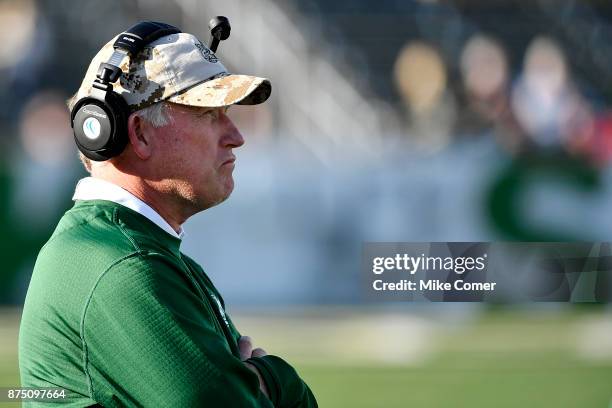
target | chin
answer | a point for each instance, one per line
(223, 194)
(227, 188)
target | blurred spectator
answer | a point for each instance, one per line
(41, 172)
(545, 100)
(17, 23)
(421, 77)
(485, 74)
(23, 55)
(596, 142)
(48, 161)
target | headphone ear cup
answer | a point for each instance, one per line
(120, 112)
(100, 126)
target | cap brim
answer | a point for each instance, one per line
(224, 91)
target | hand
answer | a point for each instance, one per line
(245, 346)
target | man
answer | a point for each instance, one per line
(115, 313)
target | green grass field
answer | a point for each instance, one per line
(374, 359)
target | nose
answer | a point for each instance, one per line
(232, 136)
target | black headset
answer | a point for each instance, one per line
(99, 121)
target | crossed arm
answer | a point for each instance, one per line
(148, 341)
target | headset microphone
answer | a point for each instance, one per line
(219, 31)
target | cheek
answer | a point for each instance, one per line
(177, 153)
(170, 162)
(191, 156)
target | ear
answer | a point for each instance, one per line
(140, 134)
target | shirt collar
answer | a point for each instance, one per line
(90, 188)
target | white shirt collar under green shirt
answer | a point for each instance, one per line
(90, 188)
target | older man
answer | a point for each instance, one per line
(115, 313)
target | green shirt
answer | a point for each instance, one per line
(118, 316)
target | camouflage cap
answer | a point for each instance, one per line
(180, 69)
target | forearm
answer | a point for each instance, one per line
(286, 389)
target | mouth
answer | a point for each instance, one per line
(229, 161)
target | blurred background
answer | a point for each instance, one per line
(457, 120)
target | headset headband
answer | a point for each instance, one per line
(130, 42)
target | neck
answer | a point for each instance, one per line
(164, 203)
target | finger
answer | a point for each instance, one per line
(245, 347)
(262, 383)
(259, 352)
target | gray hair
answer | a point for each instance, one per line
(156, 115)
